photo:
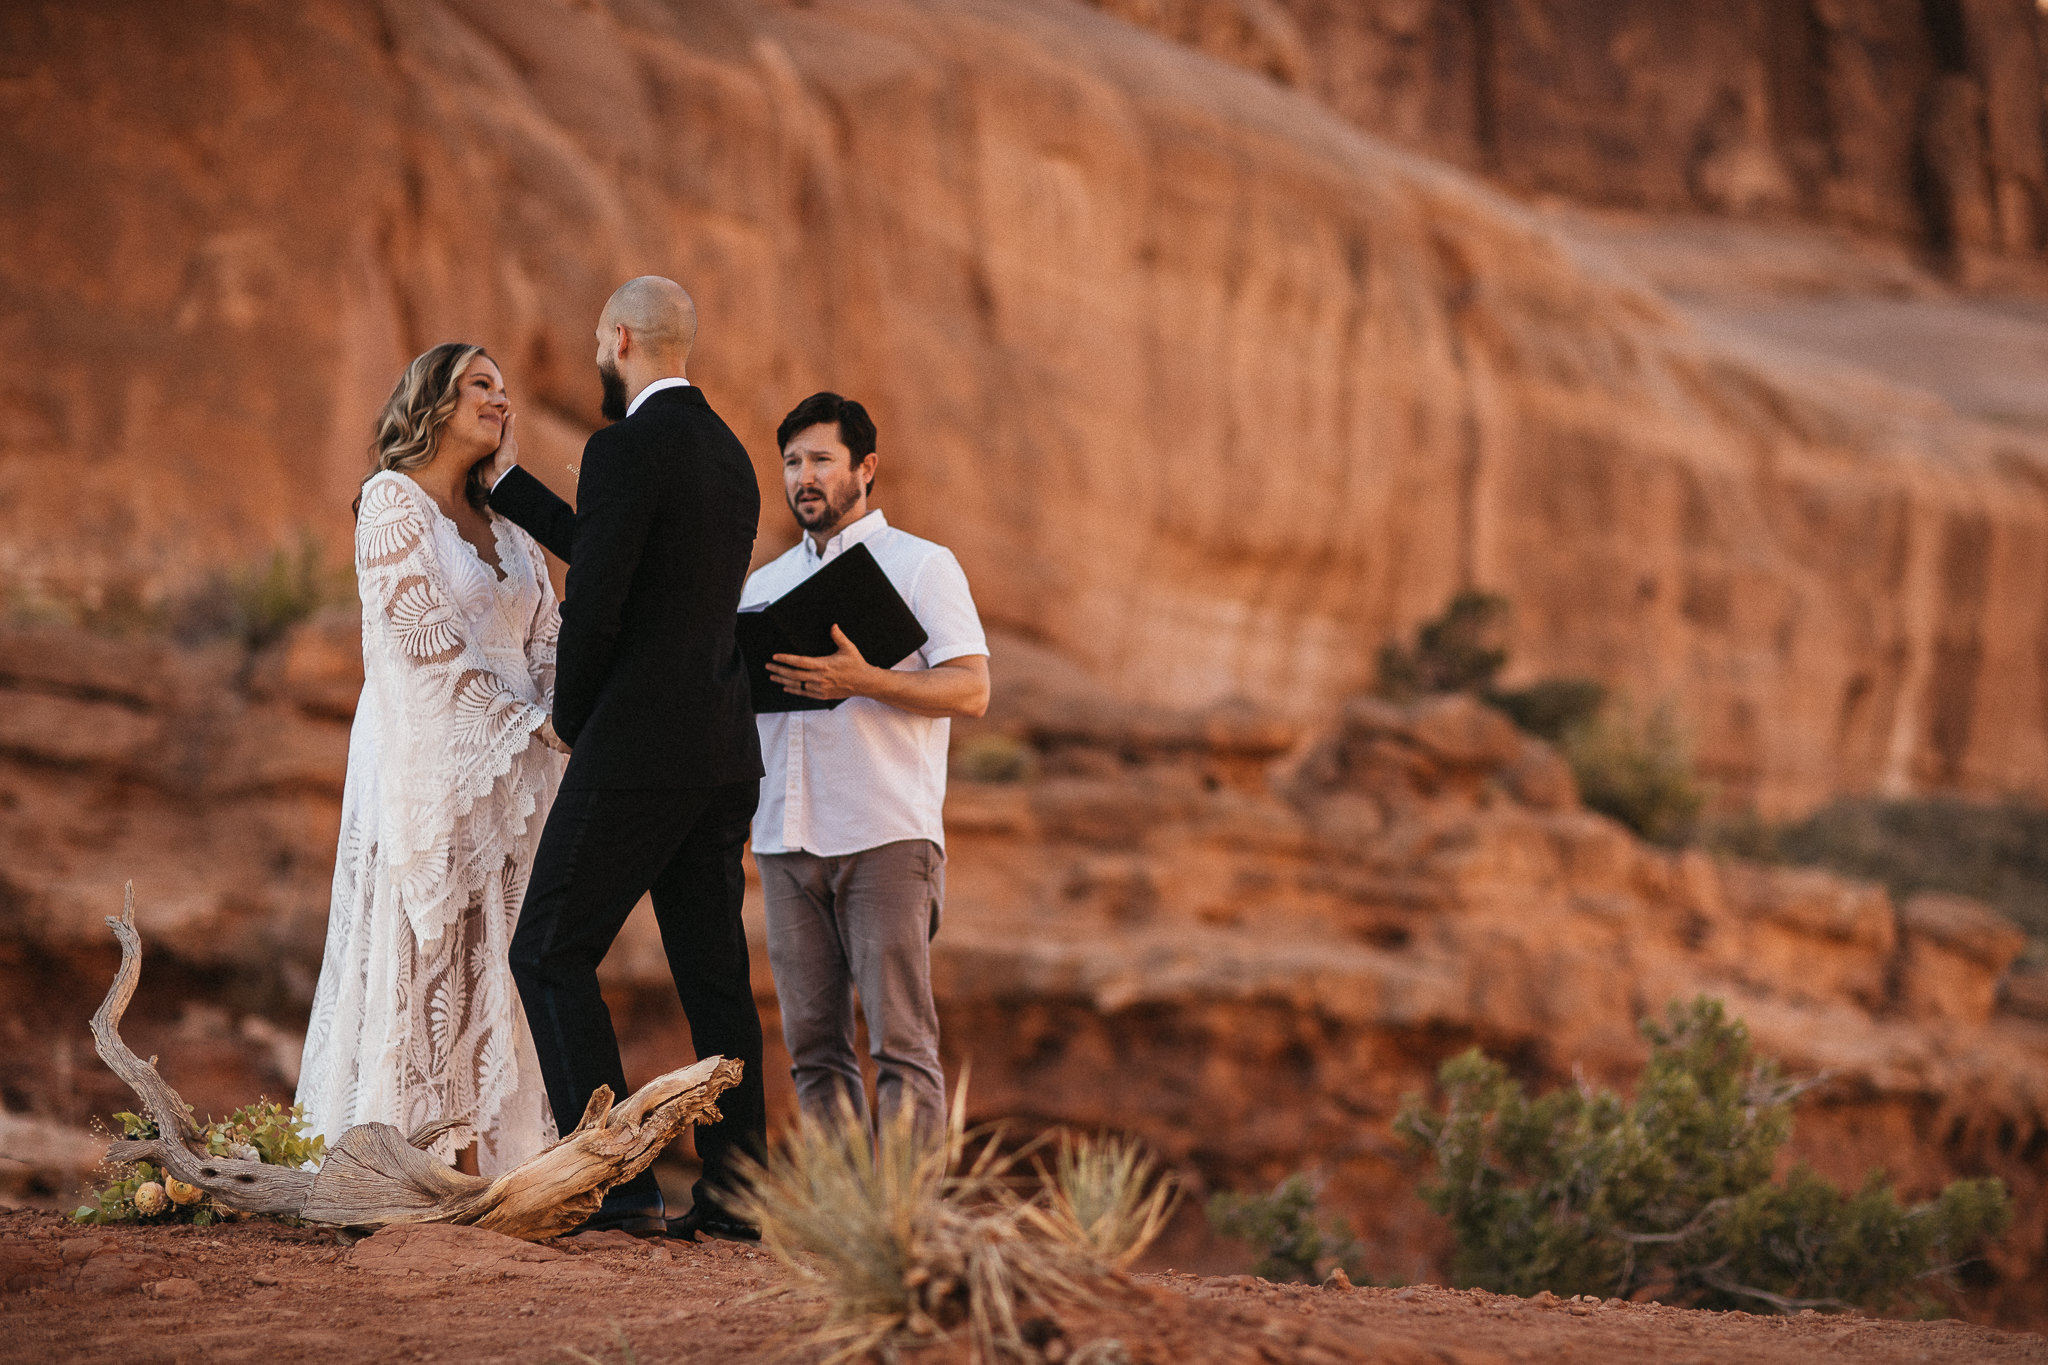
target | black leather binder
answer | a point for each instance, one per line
(852, 593)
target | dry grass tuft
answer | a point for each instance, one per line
(905, 1239)
(1105, 1197)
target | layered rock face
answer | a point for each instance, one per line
(1211, 393)
(1237, 938)
(1249, 944)
(1918, 120)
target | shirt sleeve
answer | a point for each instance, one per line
(945, 608)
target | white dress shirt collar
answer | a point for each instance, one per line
(873, 524)
(673, 382)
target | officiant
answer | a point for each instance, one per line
(848, 832)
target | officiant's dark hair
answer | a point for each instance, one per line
(856, 428)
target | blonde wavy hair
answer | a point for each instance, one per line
(409, 428)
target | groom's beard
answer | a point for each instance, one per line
(613, 407)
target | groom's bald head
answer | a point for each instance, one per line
(660, 316)
(644, 334)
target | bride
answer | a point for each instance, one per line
(450, 777)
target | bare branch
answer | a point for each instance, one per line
(374, 1175)
(1678, 1235)
(170, 1113)
(1777, 1301)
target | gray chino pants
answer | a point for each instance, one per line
(862, 922)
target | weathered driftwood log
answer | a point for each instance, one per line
(373, 1176)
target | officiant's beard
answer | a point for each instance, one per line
(835, 504)
(614, 405)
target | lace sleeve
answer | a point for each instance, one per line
(544, 631)
(448, 727)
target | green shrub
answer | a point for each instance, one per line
(1459, 651)
(1462, 650)
(1294, 1240)
(1552, 708)
(118, 608)
(1638, 771)
(994, 757)
(1995, 852)
(259, 602)
(1670, 1193)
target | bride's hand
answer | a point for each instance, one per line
(507, 454)
(546, 735)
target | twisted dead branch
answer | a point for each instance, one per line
(374, 1176)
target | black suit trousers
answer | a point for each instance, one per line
(600, 851)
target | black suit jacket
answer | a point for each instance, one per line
(650, 690)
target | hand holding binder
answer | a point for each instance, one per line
(851, 593)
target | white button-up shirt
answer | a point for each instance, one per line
(863, 774)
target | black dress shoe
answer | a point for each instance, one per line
(642, 1220)
(712, 1223)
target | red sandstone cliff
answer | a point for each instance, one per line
(1212, 392)
(1918, 120)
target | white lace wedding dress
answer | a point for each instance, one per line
(416, 1017)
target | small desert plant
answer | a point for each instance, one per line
(259, 602)
(1997, 852)
(265, 1131)
(120, 607)
(899, 1234)
(1640, 771)
(1459, 651)
(1553, 707)
(994, 757)
(1105, 1197)
(627, 1355)
(1670, 1193)
(1295, 1241)
(1462, 650)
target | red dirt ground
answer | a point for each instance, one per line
(263, 1292)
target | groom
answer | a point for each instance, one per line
(651, 699)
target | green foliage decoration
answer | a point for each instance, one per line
(265, 1131)
(278, 1134)
(1295, 1242)
(1669, 1194)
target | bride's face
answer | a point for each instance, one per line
(476, 426)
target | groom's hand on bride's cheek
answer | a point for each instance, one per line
(507, 453)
